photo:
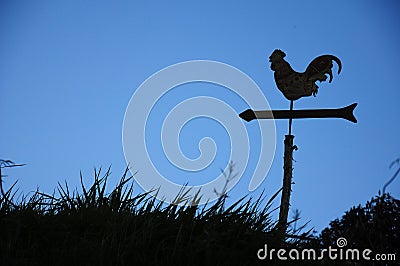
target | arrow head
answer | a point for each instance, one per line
(248, 115)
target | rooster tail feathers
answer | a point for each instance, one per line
(321, 66)
(338, 62)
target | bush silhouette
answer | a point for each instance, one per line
(375, 226)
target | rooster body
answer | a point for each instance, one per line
(295, 85)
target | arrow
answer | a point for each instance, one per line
(345, 113)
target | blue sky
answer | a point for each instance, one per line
(69, 68)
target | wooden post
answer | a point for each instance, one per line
(287, 185)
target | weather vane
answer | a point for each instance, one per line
(295, 85)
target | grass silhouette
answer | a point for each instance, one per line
(93, 227)
(120, 228)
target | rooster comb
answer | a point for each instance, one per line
(278, 53)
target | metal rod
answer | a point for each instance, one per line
(290, 118)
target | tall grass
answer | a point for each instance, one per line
(93, 227)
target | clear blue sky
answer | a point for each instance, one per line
(69, 68)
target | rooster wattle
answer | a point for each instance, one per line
(295, 85)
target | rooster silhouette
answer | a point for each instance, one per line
(295, 85)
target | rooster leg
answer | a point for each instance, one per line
(315, 89)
